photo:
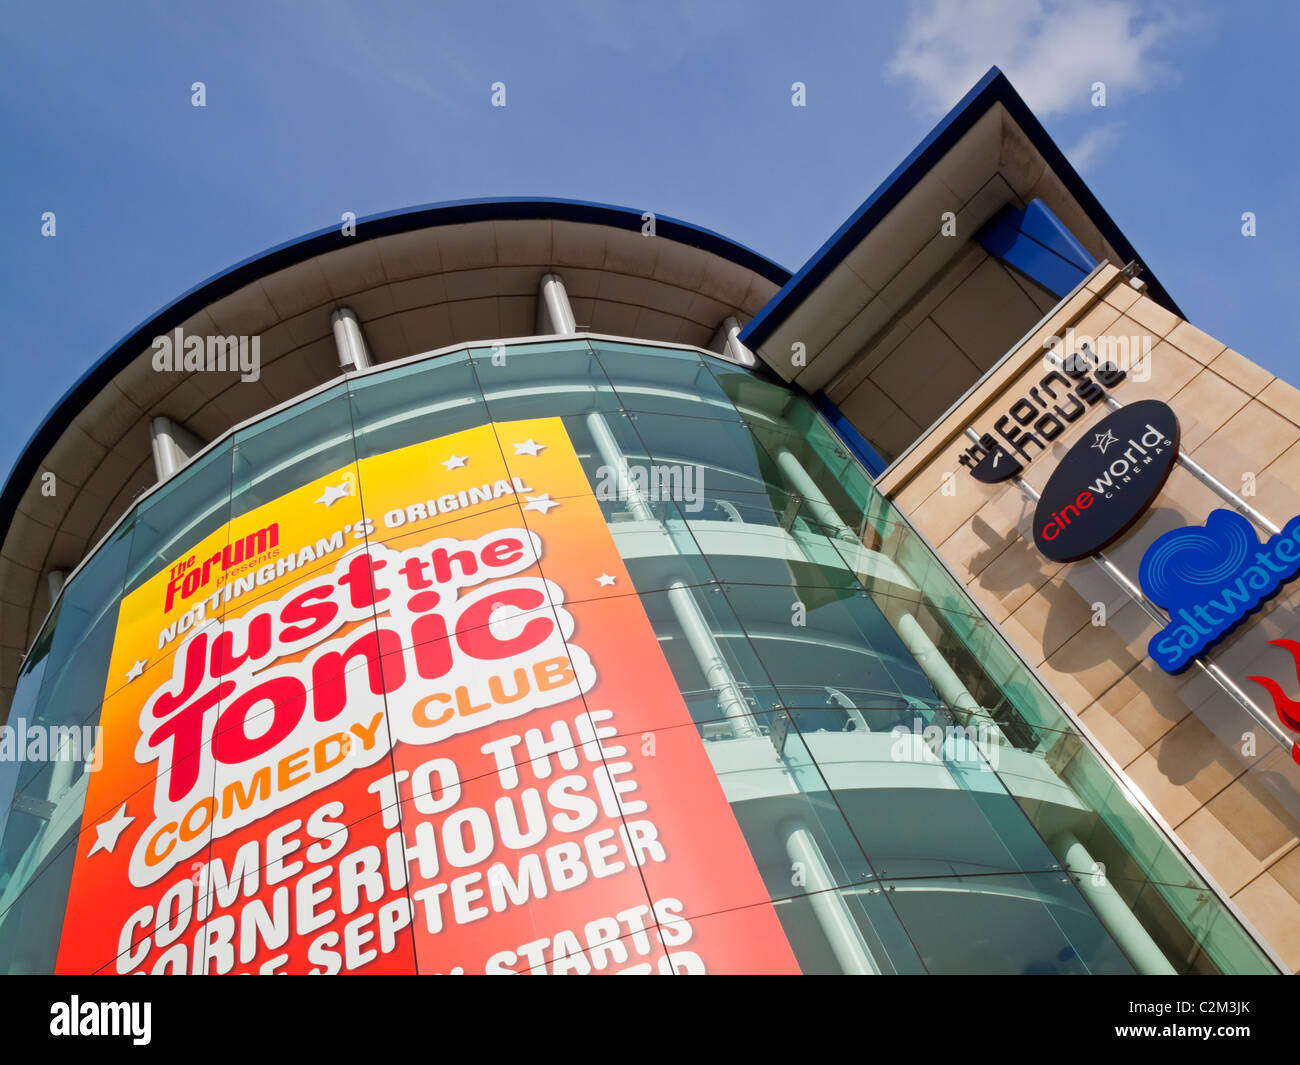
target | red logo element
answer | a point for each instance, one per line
(1288, 709)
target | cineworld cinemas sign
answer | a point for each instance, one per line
(1106, 481)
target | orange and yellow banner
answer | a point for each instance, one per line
(409, 717)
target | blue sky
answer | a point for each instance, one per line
(677, 107)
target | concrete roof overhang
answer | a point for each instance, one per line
(417, 279)
(988, 152)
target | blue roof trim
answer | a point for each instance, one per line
(1038, 222)
(298, 250)
(1037, 244)
(991, 89)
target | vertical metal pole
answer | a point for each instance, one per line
(801, 481)
(842, 931)
(1135, 593)
(726, 341)
(1213, 483)
(694, 625)
(354, 354)
(1112, 910)
(708, 656)
(554, 312)
(833, 915)
(172, 446)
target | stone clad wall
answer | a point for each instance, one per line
(1227, 789)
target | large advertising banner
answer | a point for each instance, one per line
(408, 717)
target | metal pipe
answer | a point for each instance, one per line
(1213, 483)
(172, 445)
(1135, 593)
(554, 312)
(1111, 909)
(841, 930)
(614, 459)
(695, 627)
(801, 481)
(708, 656)
(350, 341)
(939, 671)
(726, 341)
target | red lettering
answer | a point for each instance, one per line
(173, 586)
(305, 618)
(504, 551)
(256, 646)
(329, 688)
(288, 699)
(360, 581)
(442, 564)
(184, 718)
(476, 639)
(429, 638)
(413, 571)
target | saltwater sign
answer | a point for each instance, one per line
(1210, 578)
(1106, 481)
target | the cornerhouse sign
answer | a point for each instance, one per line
(1061, 397)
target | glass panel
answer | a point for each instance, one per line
(73, 685)
(295, 447)
(838, 637)
(1033, 925)
(412, 404)
(832, 666)
(663, 381)
(31, 922)
(182, 512)
(725, 454)
(541, 381)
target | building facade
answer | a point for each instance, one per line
(548, 587)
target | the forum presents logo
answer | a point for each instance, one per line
(1209, 578)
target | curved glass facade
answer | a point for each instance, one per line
(911, 798)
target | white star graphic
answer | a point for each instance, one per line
(107, 832)
(605, 580)
(542, 503)
(135, 670)
(455, 462)
(529, 447)
(1104, 440)
(332, 494)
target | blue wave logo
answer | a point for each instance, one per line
(1211, 577)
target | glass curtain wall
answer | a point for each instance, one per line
(913, 798)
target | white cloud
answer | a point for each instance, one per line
(1052, 50)
(1092, 146)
